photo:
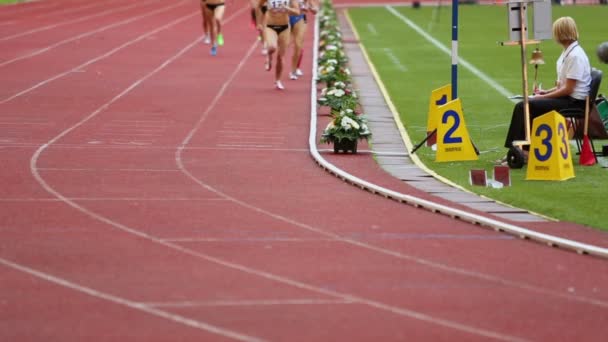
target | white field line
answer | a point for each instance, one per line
(100, 57)
(90, 33)
(128, 303)
(495, 85)
(389, 53)
(85, 18)
(372, 29)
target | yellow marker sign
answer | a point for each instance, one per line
(453, 140)
(439, 97)
(549, 157)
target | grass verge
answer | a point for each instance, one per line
(422, 67)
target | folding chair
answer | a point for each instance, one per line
(573, 114)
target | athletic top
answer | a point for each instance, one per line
(573, 64)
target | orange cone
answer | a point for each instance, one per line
(587, 157)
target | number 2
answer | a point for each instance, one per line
(448, 138)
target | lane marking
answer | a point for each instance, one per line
(284, 280)
(85, 18)
(87, 34)
(114, 199)
(259, 239)
(128, 303)
(100, 57)
(245, 303)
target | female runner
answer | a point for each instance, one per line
(215, 13)
(276, 32)
(206, 38)
(298, 25)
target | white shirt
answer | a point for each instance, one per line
(573, 64)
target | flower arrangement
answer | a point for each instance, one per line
(338, 97)
(332, 72)
(346, 125)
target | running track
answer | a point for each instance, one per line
(151, 192)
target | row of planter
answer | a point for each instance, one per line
(348, 125)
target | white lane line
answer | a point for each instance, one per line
(378, 305)
(270, 276)
(73, 9)
(261, 239)
(430, 263)
(100, 57)
(394, 59)
(114, 199)
(244, 303)
(499, 88)
(90, 33)
(84, 18)
(128, 303)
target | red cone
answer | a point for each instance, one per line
(587, 156)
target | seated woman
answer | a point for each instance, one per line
(572, 86)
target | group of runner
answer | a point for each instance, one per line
(278, 22)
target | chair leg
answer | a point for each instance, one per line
(574, 129)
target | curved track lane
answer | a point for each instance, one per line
(161, 196)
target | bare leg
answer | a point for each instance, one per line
(271, 44)
(283, 44)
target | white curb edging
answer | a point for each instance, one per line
(524, 233)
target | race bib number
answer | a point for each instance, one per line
(278, 4)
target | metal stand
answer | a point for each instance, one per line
(515, 156)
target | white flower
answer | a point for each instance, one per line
(331, 92)
(324, 91)
(347, 71)
(348, 123)
(332, 61)
(339, 84)
(349, 110)
(331, 47)
(364, 129)
(339, 92)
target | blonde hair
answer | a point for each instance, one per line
(564, 30)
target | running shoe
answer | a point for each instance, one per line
(213, 50)
(279, 85)
(293, 76)
(299, 72)
(220, 39)
(207, 39)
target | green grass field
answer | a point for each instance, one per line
(424, 67)
(2, 2)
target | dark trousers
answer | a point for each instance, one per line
(538, 107)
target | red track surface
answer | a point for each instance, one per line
(160, 194)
